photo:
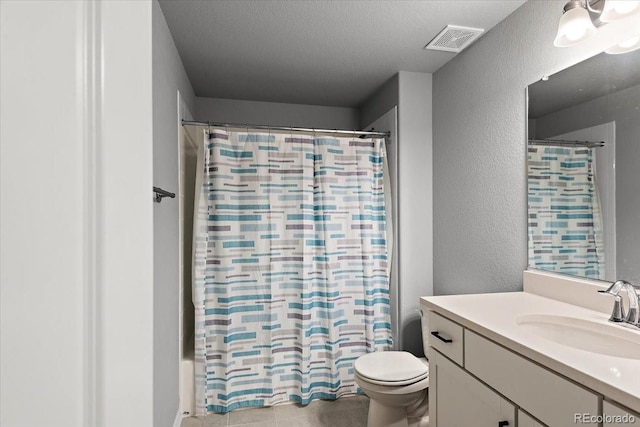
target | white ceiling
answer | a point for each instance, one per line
(314, 52)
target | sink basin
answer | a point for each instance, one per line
(596, 337)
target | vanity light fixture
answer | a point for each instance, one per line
(582, 17)
(626, 46)
(575, 25)
(619, 9)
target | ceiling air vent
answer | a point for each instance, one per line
(454, 38)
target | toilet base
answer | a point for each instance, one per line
(419, 422)
(386, 416)
(393, 416)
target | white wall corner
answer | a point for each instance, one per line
(177, 422)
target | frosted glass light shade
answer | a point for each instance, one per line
(614, 10)
(575, 26)
(626, 46)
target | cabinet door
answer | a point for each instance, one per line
(615, 416)
(524, 420)
(459, 400)
(549, 397)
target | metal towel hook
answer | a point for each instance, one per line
(160, 193)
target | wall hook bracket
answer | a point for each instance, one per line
(160, 193)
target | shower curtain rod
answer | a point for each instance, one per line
(565, 143)
(360, 133)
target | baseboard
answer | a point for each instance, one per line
(178, 421)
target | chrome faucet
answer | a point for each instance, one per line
(633, 315)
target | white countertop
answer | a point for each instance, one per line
(494, 316)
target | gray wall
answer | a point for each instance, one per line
(188, 173)
(412, 93)
(382, 100)
(479, 121)
(169, 77)
(276, 114)
(621, 107)
(415, 180)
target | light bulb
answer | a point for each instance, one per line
(575, 25)
(626, 46)
(614, 10)
(624, 7)
(574, 31)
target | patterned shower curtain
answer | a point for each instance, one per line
(565, 223)
(291, 270)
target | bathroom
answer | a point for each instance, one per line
(115, 255)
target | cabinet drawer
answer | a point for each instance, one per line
(550, 398)
(446, 337)
(615, 416)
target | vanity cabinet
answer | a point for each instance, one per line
(615, 416)
(547, 396)
(524, 420)
(462, 400)
(487, 384)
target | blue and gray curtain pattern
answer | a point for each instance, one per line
(565, 223)
(291, 280)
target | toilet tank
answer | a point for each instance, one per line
(424, 321)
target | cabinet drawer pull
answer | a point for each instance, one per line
(503, 423)
(441, 338)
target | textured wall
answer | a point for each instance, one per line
(412, 93)
(623, 107)
(169, 77)
(276, 114)
(415, 245)
(382, 100)
(479, 148)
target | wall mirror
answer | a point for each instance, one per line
(583, 169)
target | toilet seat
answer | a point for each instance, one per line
(391, 368)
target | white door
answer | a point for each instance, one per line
(76, 214)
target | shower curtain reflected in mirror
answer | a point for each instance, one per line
(565, 221)
(291, 270)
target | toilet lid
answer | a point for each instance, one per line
(391, 367)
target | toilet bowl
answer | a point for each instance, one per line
(397, 384)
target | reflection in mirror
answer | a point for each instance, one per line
(583, 168)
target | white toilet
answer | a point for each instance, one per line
(396, 383)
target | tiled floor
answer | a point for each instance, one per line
(344, 412)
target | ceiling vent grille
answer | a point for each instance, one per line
(454, 38)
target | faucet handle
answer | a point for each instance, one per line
(617, 315)
(633, 315)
